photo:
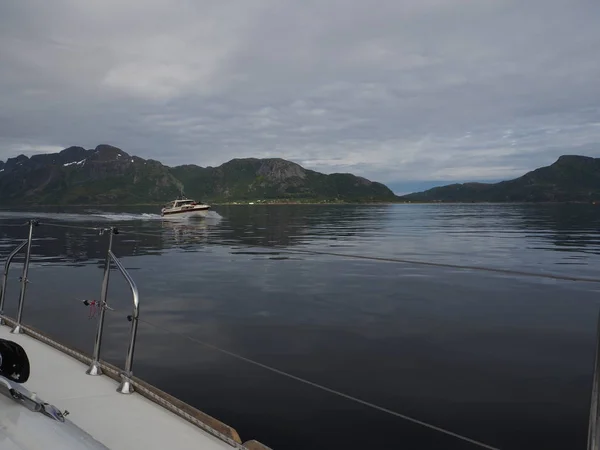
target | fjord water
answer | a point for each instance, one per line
(500, 358)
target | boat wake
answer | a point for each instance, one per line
(76, 217)
(126, 217)
(213, 215)
(92, 216)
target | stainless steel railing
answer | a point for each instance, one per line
(24, 280)
(94, 368)
(5, 278)
(126, 386)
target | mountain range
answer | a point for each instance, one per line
(108, 175)
(571, 178)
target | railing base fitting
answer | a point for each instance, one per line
(94, 369)
(125, 387)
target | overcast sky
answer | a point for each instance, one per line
(411, 93)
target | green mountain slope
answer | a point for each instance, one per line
(108, 175)
(104, 175)
(571, 178)
(275, 179)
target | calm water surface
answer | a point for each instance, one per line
(503, 359)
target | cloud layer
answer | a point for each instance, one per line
(396, 90)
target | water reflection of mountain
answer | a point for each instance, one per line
(255, 225)
(75, 246)
(290, 225)
(566, 227)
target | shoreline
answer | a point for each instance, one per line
(125, 205)
(291, 203)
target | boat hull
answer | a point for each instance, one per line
(195, 212)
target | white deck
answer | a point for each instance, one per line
(120, 422)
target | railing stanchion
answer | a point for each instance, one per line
(94, 368)
(126, 387)
(5, 278)
(17, 328)
(593, 424)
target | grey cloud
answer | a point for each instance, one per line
(393, 90)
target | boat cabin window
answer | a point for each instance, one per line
(183, 202)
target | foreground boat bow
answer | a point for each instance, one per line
(87, 412)
(30, 423)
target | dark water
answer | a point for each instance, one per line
(499, 358)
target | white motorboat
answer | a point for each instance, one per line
(185, 207)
